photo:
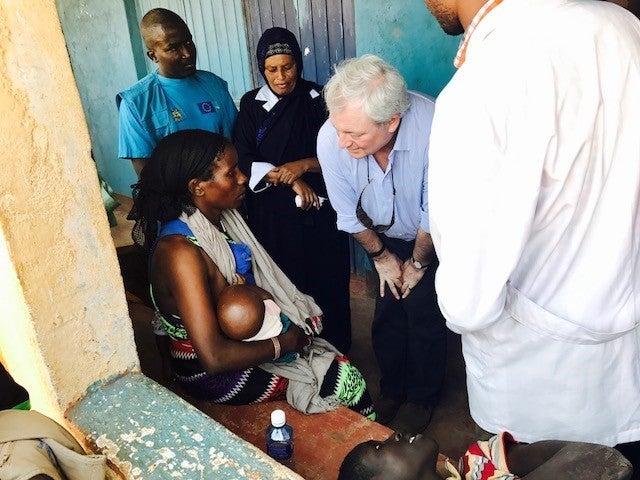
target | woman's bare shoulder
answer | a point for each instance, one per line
(178, 252)
(175, 244)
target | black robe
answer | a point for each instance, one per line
(11, 393)
(305, 244)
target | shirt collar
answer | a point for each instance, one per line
(402, 139)
(462, 50)
(401, 143)
(168, 81)
(266, 95)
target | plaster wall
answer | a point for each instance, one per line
(407, 36)
(63, 323)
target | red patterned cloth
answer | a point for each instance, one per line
(488, 460)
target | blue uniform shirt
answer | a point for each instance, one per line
(156, 106)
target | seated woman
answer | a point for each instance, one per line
(500, 458)
(191, 187)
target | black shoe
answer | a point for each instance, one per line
(412, 418)
(386, 408)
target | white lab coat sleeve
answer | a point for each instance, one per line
(491, 136)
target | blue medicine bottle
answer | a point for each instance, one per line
(279, 437)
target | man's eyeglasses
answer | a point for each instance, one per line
(362, 216)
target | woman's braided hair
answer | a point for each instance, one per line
(162, 193)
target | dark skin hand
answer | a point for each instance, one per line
(187, 283)
(307, 194)
(290, 173)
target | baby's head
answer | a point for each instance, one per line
(240, 311)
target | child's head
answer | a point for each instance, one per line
(240, 311)
(399, 457)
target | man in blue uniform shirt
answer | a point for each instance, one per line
(175, 97)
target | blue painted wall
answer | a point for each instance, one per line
(407, 36)
(103, 64)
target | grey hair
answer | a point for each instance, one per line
(379, 87)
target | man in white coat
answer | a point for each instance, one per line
(534, 195)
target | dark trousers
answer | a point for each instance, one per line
(409, 337)
(632, 452)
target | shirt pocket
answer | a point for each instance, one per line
(160, 120)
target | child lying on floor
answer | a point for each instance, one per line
(500, 458)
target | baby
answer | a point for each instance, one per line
(247, 312)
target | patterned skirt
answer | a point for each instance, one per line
(255, 385)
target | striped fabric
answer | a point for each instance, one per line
(462, 50)
(488, 460)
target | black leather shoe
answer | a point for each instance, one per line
(412, 418)
(386, 408)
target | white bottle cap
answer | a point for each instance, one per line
(278, 418)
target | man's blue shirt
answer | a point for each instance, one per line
(156, 106)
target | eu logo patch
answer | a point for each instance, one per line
(206, 107)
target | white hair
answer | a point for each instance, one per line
(380, 89)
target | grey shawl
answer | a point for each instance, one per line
(306, 372)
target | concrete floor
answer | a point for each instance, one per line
(451, 425)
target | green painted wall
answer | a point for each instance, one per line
(407, 36)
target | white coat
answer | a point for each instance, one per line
(534, 194)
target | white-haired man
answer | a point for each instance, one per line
(373, 154)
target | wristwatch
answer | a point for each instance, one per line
(417, 265)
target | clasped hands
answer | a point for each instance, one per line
(289, 174)
(400, 277)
